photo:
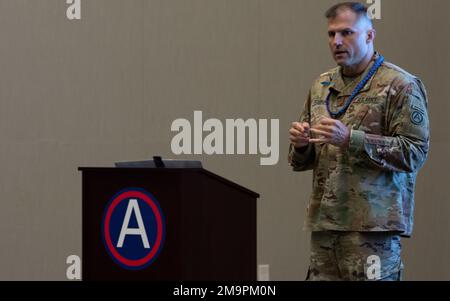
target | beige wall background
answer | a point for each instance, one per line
(107, 88)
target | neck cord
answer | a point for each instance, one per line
(355, 92)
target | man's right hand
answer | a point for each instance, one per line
(299, 134)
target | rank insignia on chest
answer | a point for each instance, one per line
(327, 84)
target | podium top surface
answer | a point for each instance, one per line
(158, 162)
(108, 170)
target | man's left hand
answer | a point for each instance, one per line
(331, 131)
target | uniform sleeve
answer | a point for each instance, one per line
(406, 146)
(303, 159)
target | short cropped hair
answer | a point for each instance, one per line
(358, 8)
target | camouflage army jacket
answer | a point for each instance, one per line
(370, 185)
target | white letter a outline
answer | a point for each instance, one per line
(133, 206)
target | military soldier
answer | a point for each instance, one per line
(364, 132)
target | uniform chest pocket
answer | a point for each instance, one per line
(367, 116)
(355, 120)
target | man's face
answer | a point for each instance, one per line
(348, 38)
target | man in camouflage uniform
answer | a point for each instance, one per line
(364, 157)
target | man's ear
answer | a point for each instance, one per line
(371, 33)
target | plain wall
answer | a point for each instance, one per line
(106, 88)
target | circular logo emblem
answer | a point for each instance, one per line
(133, 228)
(417, 117)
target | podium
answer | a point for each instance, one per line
(209, 225)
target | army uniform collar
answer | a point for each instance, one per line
(337, 83)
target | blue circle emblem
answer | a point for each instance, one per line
(133, 228)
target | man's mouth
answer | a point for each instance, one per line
(340, 52)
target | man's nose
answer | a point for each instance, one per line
(337, 40)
